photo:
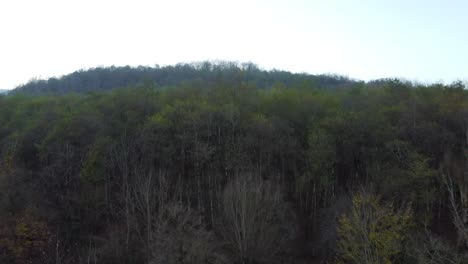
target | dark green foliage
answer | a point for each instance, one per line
(142, 174)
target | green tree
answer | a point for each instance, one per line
(373, 232)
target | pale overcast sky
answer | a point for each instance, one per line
(417, 40)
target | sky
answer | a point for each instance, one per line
(424, 41)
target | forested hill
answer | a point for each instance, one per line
(197, 164)
(203, 74)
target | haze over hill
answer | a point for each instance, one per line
(204, 74)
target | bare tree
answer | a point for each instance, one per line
(150, 197)
(458, 213)
(434, 250)
(179, 236)
(254, 219)
(455, 177)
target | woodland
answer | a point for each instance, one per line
(228, 163)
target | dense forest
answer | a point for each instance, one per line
(227, 163)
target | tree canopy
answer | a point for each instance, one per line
(228, 163)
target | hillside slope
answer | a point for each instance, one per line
(137, 174)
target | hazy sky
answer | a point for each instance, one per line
(418, 40)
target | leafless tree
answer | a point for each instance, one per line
(458, 213)
(254, 219)
(179, 236)
(150, 197)
(434, 250)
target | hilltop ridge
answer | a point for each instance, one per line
(201, 74)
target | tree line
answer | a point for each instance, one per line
(235, 170)
(201, 73)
